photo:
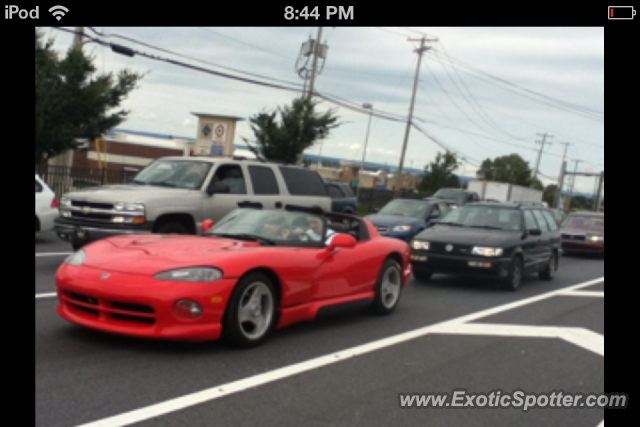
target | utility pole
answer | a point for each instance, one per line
(544, 139)
(364, 152)
(563, 168)
(316, 53)
(599, 194)
(573, 180)
(563, 172)
(419, 51)
(77, 39)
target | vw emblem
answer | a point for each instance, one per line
(86, 210)
(105, 276)
(449, 248)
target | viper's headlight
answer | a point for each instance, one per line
(401, 228)
(76, 258)
(195, 274)
(420, 246)
(487, 251)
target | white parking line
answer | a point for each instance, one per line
(583, 294)
(219, 391)
(42, 254)
(47, 295)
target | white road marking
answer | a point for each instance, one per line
(579, 336)
(584, 294)
(43, 254)
(216, 392)
(47, 295)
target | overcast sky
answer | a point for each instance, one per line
(483, 92)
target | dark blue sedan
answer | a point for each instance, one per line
(404, 218)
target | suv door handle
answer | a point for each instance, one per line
(278, 205)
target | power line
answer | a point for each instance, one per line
(192, 58)
(331, 98)
(245, 43)
(547, 100)
(479, 110)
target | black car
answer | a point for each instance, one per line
(486, 239)
(342, 198)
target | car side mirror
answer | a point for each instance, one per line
(217, 187)
(346, 241)
(207, 224)
(433, 217)
(534, 232)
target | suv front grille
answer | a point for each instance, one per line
(92, 205)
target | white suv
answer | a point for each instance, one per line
(46, 206)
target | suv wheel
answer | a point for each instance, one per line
(550, 269)
(514, 279)
(172, 228)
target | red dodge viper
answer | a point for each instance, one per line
(254, 271)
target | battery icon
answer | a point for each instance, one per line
(621, 12)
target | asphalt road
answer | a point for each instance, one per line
(83, 376)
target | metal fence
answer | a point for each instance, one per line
(63, 179)
(374, 198)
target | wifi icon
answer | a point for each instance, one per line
(58, 11)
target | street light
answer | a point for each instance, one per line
(364, 152)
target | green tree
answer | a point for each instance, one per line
(439, 174)
(299, 127)
(72, 101)
(511, 169)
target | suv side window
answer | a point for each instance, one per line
(232, 175)
(529, 220)
(541, 221)
(38, 187)
(553, 224)
(263, 180)
(303, 182)
(346, 189)
(334, 191)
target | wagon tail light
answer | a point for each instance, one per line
(54, 202)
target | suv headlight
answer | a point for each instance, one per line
(420, 246)
(76, 258)
(596, 238)
(129, 207)
(401, 228)
(478, 250)
(65, 202)
(196, 274)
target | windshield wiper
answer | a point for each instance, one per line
(161, 184)
(245, 236)
(488, 227)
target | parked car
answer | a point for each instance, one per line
(583, 232)
(456, 196)
(342, 198)
(175, 195)
(46, 206)
(236, 281)
(404, 218)
(486, 239)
